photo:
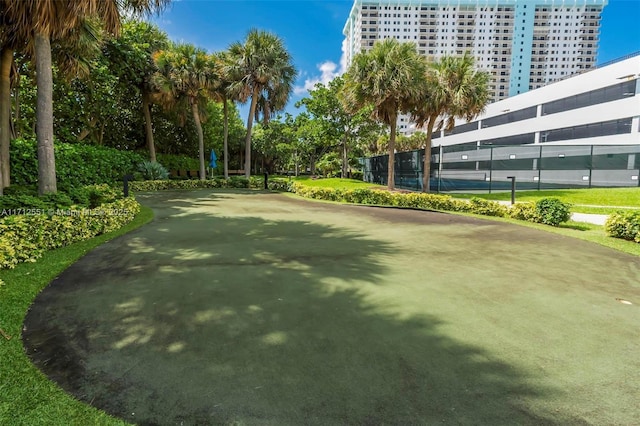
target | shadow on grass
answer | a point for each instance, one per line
(204, 318)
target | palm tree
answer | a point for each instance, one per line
(389, 77)
(40, 22)
(261, 67)
(224, 92)
(454, 89)
(186, 72)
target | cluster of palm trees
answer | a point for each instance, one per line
(394, 79)
(260, 68)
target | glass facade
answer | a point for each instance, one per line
(593, 97)
(511, 117)
(603, 128)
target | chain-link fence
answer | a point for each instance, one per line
(469, 167)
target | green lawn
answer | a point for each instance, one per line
(26, 396)
(594, 200)
(336, 183)
(245, 307)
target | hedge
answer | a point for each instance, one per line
(255, 182)
(625, 225)
(81, 164)
(549, 211)
(25, 237)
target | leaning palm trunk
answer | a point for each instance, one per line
(146, 105)
(6, 58)
(226, 139)
(247, 148)
(427, 156)
(196, 119)
(44, 115)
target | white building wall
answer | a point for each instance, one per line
(629, 106)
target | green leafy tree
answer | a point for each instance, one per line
(340, 127)
(388, 79)
(41, 21)
(131, 61)
(454, 89)
(260, 68)
(186, 74)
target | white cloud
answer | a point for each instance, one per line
(328, 71)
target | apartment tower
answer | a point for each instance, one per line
(524, 44)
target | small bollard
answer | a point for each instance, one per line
(266, 180)
(125, 181)
(513, 189)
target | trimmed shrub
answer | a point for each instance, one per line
(552, 211)
(625, 225)
(487, 207)
(76, 164)
(525, 211)
(24, 238)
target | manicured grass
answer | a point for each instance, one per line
(26, 396)
(336, 183)
(594, 200)
(254, 308)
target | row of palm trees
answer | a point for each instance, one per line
(394, 79)
(260, 69)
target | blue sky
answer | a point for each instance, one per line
(312, 30)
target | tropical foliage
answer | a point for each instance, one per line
(388, 79)
(260, 69)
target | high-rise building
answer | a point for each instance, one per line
(524, 44)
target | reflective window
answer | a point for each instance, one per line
(510, 117)
(511, 140)
(604, 128)
(594, 97)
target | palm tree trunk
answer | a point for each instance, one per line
(196, 119)
(391, 184)
(247, 146)
(6, 58)
(44, 115)
(427, 156)
(146, 110)
(345, 158)
(225, 148)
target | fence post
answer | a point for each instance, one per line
(440, 152)
(540, 168)
(490, 169)
(590, 166)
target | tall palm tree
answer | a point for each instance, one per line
(454, 89)
(389, 77)
(40, 22)
(224, 92)
(261, 67)
(187, 73)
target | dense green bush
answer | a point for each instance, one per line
(152, 170)
(487, 207)
(552, 211)
(625, 225)
(21, 200)
(76, 164)
(178, 162)
(25, 237)
(525, 211)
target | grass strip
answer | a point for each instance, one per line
(27, 397)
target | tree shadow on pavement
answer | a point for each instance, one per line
(207, 318)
